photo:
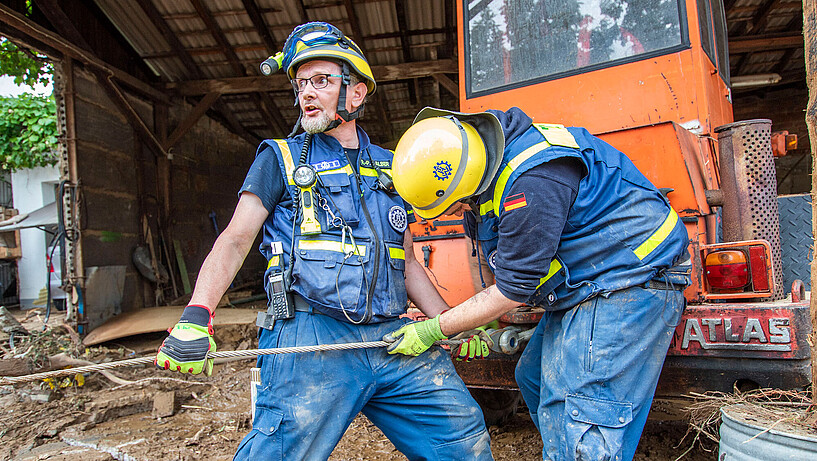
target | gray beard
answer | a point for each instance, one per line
(316, 125)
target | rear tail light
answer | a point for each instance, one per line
(737, 270)
(727, 270)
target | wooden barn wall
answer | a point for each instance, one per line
(209, 166)
(119, 185)
(786, 109)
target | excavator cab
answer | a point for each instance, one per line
(651, 78)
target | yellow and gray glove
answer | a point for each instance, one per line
(186, 349)
(414, 338)
(476, 345)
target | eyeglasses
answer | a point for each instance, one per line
(319, 81)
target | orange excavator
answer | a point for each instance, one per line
(650, 77)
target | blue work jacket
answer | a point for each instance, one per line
(620, 230)
(334, 271)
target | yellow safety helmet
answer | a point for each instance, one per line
(446, 156)
(321, 40)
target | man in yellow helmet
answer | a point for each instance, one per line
(567, 223)
(341, 269)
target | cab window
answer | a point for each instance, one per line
(511, 44)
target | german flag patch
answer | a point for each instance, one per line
(515, 202)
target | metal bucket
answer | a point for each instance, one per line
(742, 440)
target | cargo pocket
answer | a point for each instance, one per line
(398, 299)
(265, 440)
(324, 276)
(594, 428)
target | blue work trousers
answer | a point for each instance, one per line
(588, 374)
(306, 401)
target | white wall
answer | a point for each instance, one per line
(32, 189)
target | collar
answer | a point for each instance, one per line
(328, 143)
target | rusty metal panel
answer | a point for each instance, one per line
(494, 372)
(749, 184)
(747, 331)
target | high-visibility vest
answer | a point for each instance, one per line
(620, 230)
(332, 269)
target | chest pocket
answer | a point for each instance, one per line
(337, 192)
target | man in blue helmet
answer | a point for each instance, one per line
(567, 223)
(341, 269)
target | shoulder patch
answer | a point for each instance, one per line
(515, 202)
(556, 135)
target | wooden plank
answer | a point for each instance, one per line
(279, 82)
(182, 266)
(191, 119)
(447, 83)
(24, 26)
(124, 106)
(260, 24)
(765, 43)
(155, 319)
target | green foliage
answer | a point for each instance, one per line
(26, 67)
(28, 132)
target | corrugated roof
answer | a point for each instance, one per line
(391, 32)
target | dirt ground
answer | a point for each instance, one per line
(101, 420)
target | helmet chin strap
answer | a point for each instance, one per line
(341, 114)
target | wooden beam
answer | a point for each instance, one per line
(175, 45)
(450, 50)
(15, 22)
(400, 7)
(299, 5)
(447, 83)
(218, 35)
(57, 17)
(64, 26)
(191, 119)
(784, 61)
(119, 99)
(739, 45)
(279, 82)
(260, 24)
(264, 104)
(223, 13)
(741, 66)
(762, 16)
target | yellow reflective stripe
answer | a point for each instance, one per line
(484, 208)
(508, 170)
(397, 253)
(360, 65)
(658, 236)
(273, 261)
(555, 266)
(329, 245)
(287, 156)
(368, 172)
(345, 169)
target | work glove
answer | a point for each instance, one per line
(476, 345)
(185, 350)
(414, 338)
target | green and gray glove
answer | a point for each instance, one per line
(185, 350)
(415, 338)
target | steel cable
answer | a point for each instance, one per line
(249, 353)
